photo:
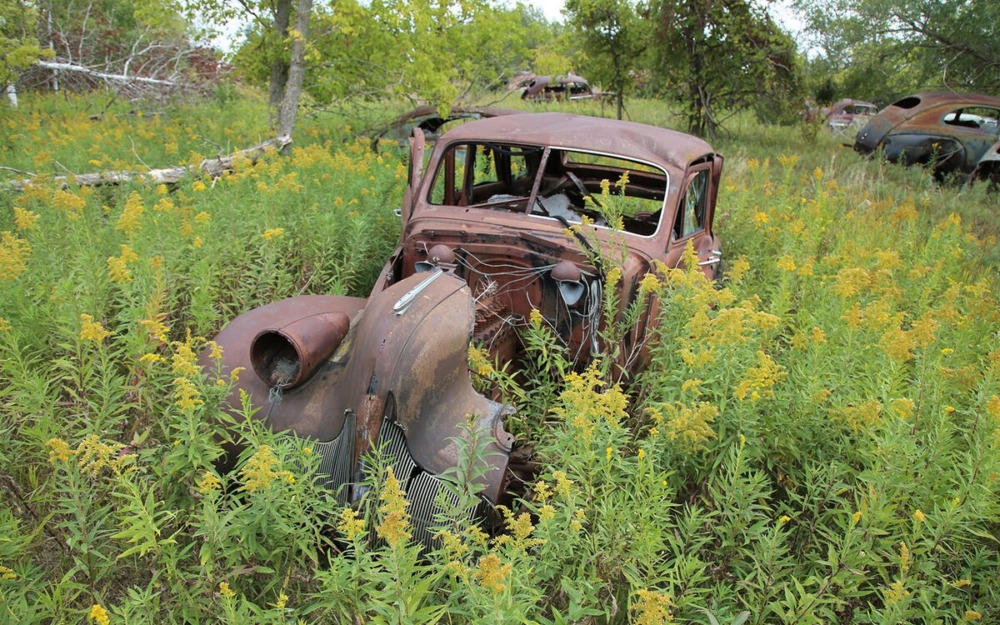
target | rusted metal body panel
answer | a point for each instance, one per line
(402, 360)
(946, 131)
(391, 371)
(988, 167)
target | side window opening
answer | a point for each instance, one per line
(975, 117)
(691, 215)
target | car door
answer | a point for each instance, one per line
(693, 219)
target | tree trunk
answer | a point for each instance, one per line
(279, 68)
(296, 71)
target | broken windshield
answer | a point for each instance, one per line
(557, 183)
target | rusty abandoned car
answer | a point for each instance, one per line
(849, 115)
(949, 133)
(505, 220)
(563, 87)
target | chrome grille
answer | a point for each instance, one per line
(424, 491)
(337, 458)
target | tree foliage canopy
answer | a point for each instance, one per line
(19, 47)
(718, 56)
(884, 48)
(615, 37)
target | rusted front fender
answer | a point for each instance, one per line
(401, 366)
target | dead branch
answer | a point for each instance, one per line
(120, 78)
(213, 167)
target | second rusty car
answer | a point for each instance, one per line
(503, 222)
(947, 132)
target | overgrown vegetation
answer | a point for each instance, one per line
(816, 441)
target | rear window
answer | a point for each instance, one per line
(907, 103)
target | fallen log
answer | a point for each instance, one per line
(213, 167)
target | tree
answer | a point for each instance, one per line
(882, 48)
(272, 45)
(18, 45)
(719, 56)
(614, 38)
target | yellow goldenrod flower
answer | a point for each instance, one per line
(14, 253)
(208, 482)
(962, 583)
(59, 450)
(273, 233)
(649, 283)
(786, 263)
(70, 204)
(652, 608)
(784, 519)
(542, 491)
(972, 615)
(689, 426)
(759, 381)
(865, 414)
(856, 517)
(903, 407)
(99, 615)
(351, 525)
(7, 573)
(261, 471)
(896, 592)
(788, 161)
(93, 456)
(91, 330)
(25, 219)
(479, 361)
(226, 591)
(186, 395)
(918, 516)
(184, 360)
(564, 486)
(131, 217)
(490, 573)
(691, 386)
(395, 526)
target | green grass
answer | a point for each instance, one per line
(816, 441)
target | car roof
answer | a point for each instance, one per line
(928, 99)
(659, 146)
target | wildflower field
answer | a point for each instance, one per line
(817, 440)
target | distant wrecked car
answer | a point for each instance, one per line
(564, 87)
(848, 115)
(504, 224)
(432, 123)
(947, 132)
